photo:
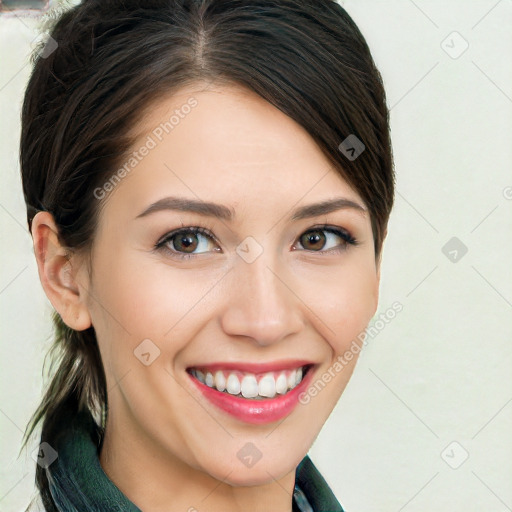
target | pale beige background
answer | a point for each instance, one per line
(440, 372)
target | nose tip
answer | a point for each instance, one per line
(261, 306)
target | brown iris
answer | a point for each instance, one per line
(313, 237)
(185, 241)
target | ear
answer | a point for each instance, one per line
(58, 271)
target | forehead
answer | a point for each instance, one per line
(227, 144)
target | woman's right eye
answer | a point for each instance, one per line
(187, 240)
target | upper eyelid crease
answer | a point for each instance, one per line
(225, 213)
(188, 229)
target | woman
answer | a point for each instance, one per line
(208, 185)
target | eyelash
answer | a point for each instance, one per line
(347, 238)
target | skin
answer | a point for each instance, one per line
(166, 447)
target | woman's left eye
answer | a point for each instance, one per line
(187, 242)
(315, 240)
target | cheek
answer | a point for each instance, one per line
(344, 310)
(344, 300)
(140, 297)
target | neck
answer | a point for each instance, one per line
(157, 481)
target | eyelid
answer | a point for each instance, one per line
(185, 229)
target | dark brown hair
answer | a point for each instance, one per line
(114, 58)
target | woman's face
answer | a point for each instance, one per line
(247, 301)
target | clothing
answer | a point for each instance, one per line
(79, 484)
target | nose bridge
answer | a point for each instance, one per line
(260, 305)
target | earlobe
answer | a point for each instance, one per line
(58, 271)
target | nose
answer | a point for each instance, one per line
(261, 304)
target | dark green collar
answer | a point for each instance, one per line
(78, 482)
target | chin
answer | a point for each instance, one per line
(236, 474)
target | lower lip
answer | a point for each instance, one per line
(255, 411)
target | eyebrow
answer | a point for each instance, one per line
(220, 211)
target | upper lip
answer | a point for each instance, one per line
(255, 367)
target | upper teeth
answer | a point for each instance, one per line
(250, 385)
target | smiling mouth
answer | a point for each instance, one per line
(252, 386)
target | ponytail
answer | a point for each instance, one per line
(77, 383)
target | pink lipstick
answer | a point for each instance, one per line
(253, 392)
